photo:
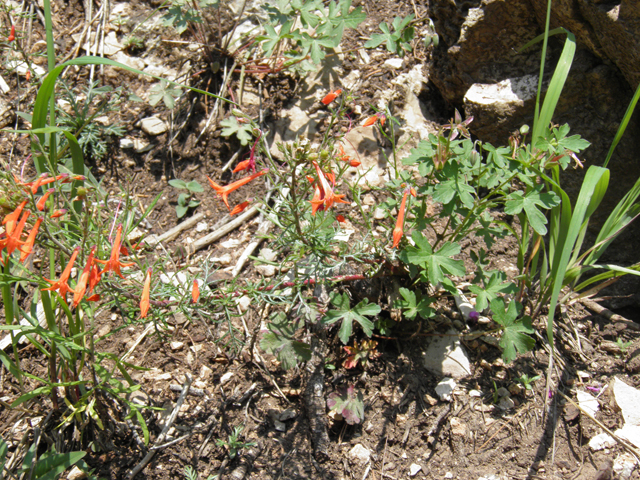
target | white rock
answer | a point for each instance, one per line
(624, 466)
(458, 427)
(266, 270)
(231, 243)
(414, 468)
(22, 68)
(223, 260)
(226, 377)
(368, 199)
(344, 235)
(448, 475)
(631, 433)
(76, 474)
(201, 227)
(396, 63)
(512, 91)
(379, 214)
(205, 372)
(141, 146)
(602, 441)
(153, 126)
(244, 302)
(360, 453)
(4, 87)
(445, 356)
(464, 305)
(268, 254)
(445, 388)
(133, 62)
(587, 402)
(628, 399)
(176, 345)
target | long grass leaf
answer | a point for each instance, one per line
(571, 230)
(623, 125)
(555, 87)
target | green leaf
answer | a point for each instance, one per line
(243, 131)
(414, 304)
(281, 343)
(347, 402)
(493, 286)
(177, 183)
(348, 315)
(181, 210)
(514, 330)
(436, 264)
(529, 203)
(179, 19)
(49, 466)
(194, 187)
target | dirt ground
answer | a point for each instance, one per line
(405, 425)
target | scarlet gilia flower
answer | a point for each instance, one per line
(373, 119)
(114, 264)
(323, 194)
(44, 198)
(12, 34)
(240, 208)
(250, 163)
(85, 276)
(224, 192)
(27, 248)
(340, 218)
(346, 158)
(12, 240)
(195, 292)
(398, 231)
(45, 179)
(331, 96)
(62, 285)
(243, 165)
(11, 220)
(146, 292)
(58, 213)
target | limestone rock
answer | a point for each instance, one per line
(445, 356)
(153, 126)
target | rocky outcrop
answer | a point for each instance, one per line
(477, 67)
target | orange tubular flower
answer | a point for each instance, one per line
(81, 287)
(11, 220)
(224, 192)
(331, 96)
(398, 232)
(27, 248)
(243, 165)
(195, 292)
(12, 240)
(323, 194)
(12, 34)
(61, 285)
(346, 158)
(146, 292)
(43, 199)
(114, 264)
(373, 119)
(239, 208)
(59, 213)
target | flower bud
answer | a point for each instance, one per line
(524, 129)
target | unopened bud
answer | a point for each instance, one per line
(81, 192)
(324, 154)
(524, 129)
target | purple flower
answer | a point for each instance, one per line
(474, 316)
